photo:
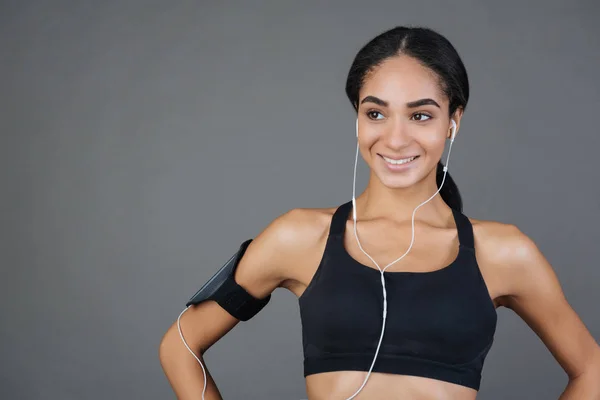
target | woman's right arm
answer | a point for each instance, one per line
(263, 267)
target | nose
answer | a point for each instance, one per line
(397, 136)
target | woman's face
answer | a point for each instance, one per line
(402, 113)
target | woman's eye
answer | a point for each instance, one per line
(421, 117)
(373, 114)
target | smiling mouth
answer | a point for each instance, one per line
(401, 161)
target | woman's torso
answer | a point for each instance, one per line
(381, 241)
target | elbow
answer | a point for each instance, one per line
(172, 348)
(590, 376)
(164, 348)
(593, 368)
(169, 345)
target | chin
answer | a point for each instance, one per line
(397, 182)
(399, 179)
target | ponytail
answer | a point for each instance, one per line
(449, 191)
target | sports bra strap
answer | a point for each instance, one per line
(338, 221)
(465, 229)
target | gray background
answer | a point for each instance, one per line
(143, 141)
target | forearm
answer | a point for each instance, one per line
(184, 373)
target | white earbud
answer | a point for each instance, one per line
(453, 130)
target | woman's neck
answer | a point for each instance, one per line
(379, 201)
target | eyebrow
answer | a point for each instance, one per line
(411, 104)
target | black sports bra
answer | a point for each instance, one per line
(440, 324)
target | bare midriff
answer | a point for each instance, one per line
(340, 385)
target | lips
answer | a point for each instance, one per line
(398, 158)
(399, 166)
(399, 161)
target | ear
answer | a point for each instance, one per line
(457, 116)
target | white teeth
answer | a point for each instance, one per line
(398, 162)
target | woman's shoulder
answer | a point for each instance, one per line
(499, 243)
(289, 245)
(277, 255)
(299, 227)
(295, 233)
(491, 234)
(504, 253)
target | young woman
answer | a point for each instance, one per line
(397, 303)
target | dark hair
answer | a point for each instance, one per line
(433, 51)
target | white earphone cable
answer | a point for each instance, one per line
(398, 259)
(190, 350)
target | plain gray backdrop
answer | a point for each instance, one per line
(143, 141)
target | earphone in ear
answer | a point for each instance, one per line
(453, 130)
(356, 126)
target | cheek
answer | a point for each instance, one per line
(366, 140)
(433, 141)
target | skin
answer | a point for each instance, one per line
(288, 251)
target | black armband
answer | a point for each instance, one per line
(223, 289)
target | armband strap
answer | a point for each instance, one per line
(223, 289)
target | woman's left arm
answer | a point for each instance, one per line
(537, 297)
